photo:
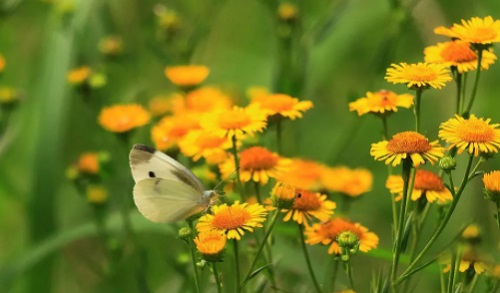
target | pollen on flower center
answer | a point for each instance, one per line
(458, 52)
(427, 180)
(307, 201)
(257, 158)
(409, 142)
(231, 218)
(234, 120)
(333, 228)
(474, 130)
(421, 74)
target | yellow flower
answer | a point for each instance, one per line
(426, 183)
(199, 143)
(233, 220)
(283, 195)
(476, 30)
(381, 102)
(97, 194)
(458, 54)
(89, 163)
(236, 121)
(304, 174)
(111, 45)
(162, 105)
(171, 129)
(287, 11)
(187, 75)
(211, 245)
(206, 99)
(123, 118)
(419, 75)
(79, 75)
(2, 62)
(257, 164)
(282, 105)
(475, 135)
(351, 182)
(471, 233)
(326, 233)
(9, 95)
(408, 144)
(308, 205)
(491, 182)
(469, 261)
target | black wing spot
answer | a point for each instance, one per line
(145, 148)
(151, 174)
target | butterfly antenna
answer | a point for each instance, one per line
(225, 179)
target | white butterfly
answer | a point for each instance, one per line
(165, 191)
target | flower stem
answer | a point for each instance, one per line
(193, 260)
(308, 260)
(498, 215)
(334, 273)
(257, 192)
(262, 244)
(451, 276)
(442, 225)
(407, 167)
(279, 132)
(217, 279)
(458, 81)
(237, 265)
(237, 164)
(416, 109)
(348, 271)
(389, 171)
(476, 82)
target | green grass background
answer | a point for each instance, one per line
(349, 45)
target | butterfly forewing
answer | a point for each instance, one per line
(166, 200)
(146, 162)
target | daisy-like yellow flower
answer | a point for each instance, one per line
(236, 121)
(282, 105)
(491, 182)
(123, 118)
(211, 245)
(381, 102)
(308, 205)
(233, 220)
(469, 261)
(199, 143)
(89, 163)
(257, 164)
(475, 135)
(458, 54)
(187, 75)
(351, 182)
(171, 129)
(162, 105)
(326, 233)
(408, 144)
(96, 194)
(111, 45)
(477, 30)
(79, 75)
(2, 62)
(426, 183)
(304, 174)
(419, 75)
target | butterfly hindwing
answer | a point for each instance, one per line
(146, 162)
(165, 200)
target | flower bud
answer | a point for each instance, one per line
(447, 164)
(283, 195)
(185, 233)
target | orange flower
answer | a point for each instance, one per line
(236, 121)
(326, 233)
(187, 75)
(419, 75)
(170, 130)
(491, 182)
(381, 102)
(123, 118)
(233, 220)
(162, 105)
(111, 45)
(308, 205)
(199, 143)
(257, 164)
(79, 75)
(211, 245)
(476, 30)
(351, 182)
(304, 174)
(426, 183)
(89, 163)
(282, 105)
(206, 99)
(2, 62)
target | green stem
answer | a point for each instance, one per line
(498, 215)
(192, 250)
(496, 287)
(308, 260)
(257, 192)
(348, 270)
(476, 82)
(262, 244)
(389, 171)
(472, 285)
(279, 132)
(451, 276)
(217, 279)
(407, 166)
(441, 280)
(237, 165)
(464, 87)
(334, 274)
(416, 109)
(443, 223)
(458, 81)
(457, 265)
(237, 265)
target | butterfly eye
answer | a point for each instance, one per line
(151, 174)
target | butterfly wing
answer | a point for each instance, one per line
(147, 162)
(166, 200)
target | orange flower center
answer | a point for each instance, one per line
(306, 201)
(231, 218)
(257, 158)
(458, 52)
(234, 120)
(420, 73)
(333, 228)
(427, 180)
(208, 141)
(384, 98)
(475, 130)
(408, 142)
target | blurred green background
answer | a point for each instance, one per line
(340, 50)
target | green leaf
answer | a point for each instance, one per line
(255, 273)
